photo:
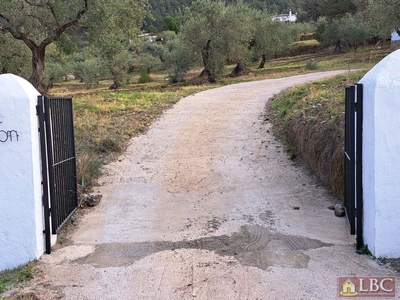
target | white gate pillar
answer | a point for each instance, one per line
(381, 157)
(21, 212)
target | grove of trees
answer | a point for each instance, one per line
(163, 8)
(352, 23)
(46, 41)
(39, 23)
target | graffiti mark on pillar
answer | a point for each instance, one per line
(8, 135)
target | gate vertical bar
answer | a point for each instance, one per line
(50, 149)
(45, 179)
(359, 183)
(349, 199)
(72, 150)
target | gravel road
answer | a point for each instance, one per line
(207, 205)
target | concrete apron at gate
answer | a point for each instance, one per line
(381, 159)
(21, 208)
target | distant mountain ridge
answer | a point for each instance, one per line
(162, 8)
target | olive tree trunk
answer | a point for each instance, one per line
(262, 63)
(239, 70)
(206, 56)
(38, 59)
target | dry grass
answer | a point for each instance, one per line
(105, 120)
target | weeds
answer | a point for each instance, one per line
(144, 76)
(364, 250)
(9, 279)
(312, 64)
(61, 239)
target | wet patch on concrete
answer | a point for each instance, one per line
(254, 246)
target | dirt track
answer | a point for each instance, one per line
(202, 207)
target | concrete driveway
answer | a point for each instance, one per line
(207, 205)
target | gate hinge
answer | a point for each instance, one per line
(37, 109)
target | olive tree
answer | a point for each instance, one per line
(86, 67)
(38, 23)
(337, 9)
(177, 59)
(16, 59)
(216, 32)
(116, 59)
(312, 9)
(239, 24)
(384, 16)
(331, 36)
(202, 32)
(353, 32)
(171, 24)
(270, 38)
(349, 31)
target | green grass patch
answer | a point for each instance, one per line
(10, 279)
(323, 98)
(312, 65)
(309, 42)
(310, 119)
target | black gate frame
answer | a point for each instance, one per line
(59, 180)
(353, 200)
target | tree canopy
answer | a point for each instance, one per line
(38, 23)
(217, 32)
(384, 16)
(162, 8)
(171, 24)
(336, 9)
(330, 9)
(94, 39)
(270, 38)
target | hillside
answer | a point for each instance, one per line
(162, 8)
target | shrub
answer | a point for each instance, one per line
(312, 65)
(177, 60)
(86, 67)
(144, 76)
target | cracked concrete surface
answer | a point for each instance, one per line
(201, 207)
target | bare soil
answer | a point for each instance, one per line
(207, 205)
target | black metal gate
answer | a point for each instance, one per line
(353, 200)
(60, 198)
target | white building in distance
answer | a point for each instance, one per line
(285, 17)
